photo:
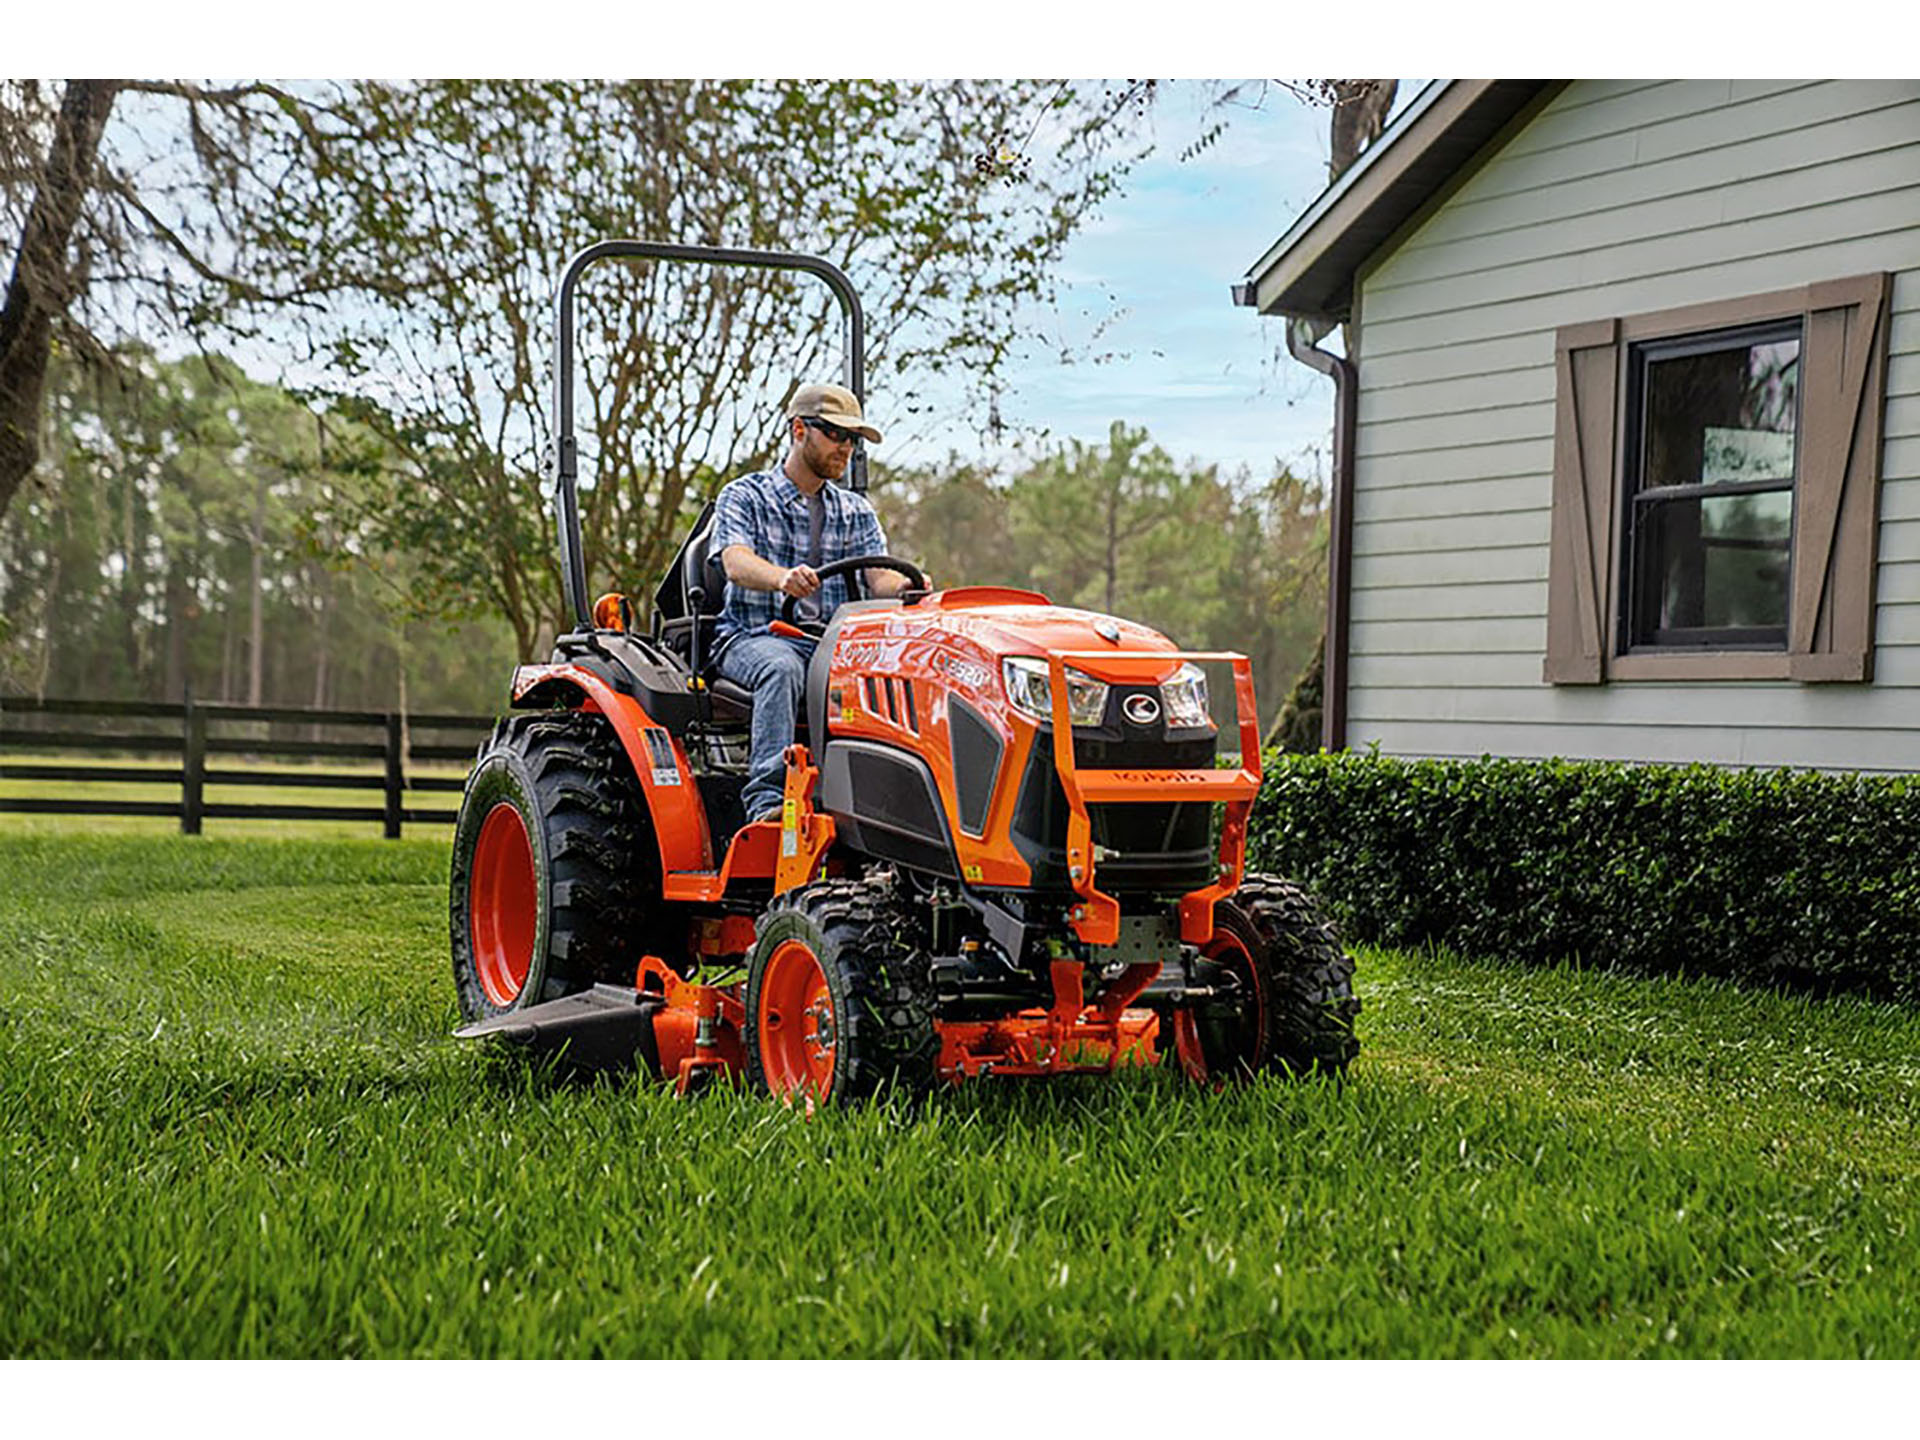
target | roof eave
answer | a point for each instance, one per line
(1309, 271)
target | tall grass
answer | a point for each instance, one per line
(235, 1125)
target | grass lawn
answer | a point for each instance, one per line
(235, 1126)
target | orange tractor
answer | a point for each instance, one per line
(1005, 847)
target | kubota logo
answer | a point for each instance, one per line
(1141, 709)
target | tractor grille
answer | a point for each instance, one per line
(1159, 847)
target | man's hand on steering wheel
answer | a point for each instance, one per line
(800, 582)
(916, 580)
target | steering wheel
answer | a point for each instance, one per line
(916, 580)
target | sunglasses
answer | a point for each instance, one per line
(833, 432)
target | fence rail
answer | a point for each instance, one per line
(186, 735)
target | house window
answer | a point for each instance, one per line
(1714, 421)
(1716, 490)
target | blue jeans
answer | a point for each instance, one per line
(774, 668)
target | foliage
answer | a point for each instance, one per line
(457, 206)
(1297, 729)
(178, 533)
(1122, 529)
(237, 1127)
(1801, 880)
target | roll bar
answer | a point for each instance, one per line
(563, 457)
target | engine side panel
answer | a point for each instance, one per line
(884, 802)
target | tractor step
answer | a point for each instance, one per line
(609, 1027)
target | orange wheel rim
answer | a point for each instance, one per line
(1247, 1039)
(505, 898)
(799, 1034)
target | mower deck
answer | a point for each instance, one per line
(679, 1030)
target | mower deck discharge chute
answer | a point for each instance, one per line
(997, 851)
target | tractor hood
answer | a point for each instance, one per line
(1004, 622)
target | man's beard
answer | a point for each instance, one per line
(829, 461)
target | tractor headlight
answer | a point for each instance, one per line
(1185, 698)
(1031, 689)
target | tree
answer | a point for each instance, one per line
(119, 204)
(1296, 729)
(1215, 562)
(1360, 110)
(1081, 511)
(44, 276)
(952, 517)
(467, 199)
(172, 536)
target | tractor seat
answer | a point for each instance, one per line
(702, 593)
(705, 586)
(726, 693)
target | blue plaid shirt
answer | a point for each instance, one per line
(766, 512)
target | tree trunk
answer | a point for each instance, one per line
(42, 283)
(133, 575)
(1113, 546)
(51, 611)
(400, 667)
(179, 598)
(226, 652)
(322, 614)
(256, 626)
(1359, 115)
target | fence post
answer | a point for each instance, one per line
(396, 776)
(193, 774)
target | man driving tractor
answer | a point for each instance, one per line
(773, 529)
(1012, 850)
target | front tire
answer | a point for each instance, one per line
(839, 996)
(1314, 1007)
(555, 877)
(1292, 1007)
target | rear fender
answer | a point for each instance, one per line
(666, 779)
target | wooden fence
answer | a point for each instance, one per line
(194, 732)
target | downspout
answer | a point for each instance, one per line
(1301, 345)
(1333, 699)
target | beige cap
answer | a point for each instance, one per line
(834, 404)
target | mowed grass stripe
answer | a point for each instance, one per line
(236, 1126)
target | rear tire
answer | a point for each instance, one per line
(555, 882)
(839, 996)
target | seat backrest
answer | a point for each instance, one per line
(701, 570)
(690, 568)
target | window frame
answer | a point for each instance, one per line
(1843, 327)
(1635, 504)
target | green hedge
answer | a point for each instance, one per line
(1805, 881)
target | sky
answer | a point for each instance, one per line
(1210, 381)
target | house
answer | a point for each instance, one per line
(1628, 426)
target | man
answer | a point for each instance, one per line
(773, 530)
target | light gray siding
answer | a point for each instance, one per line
(1618, 198)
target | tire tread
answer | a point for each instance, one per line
(1314, 1008)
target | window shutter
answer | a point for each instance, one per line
(1836, 515)
(1578, 565)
